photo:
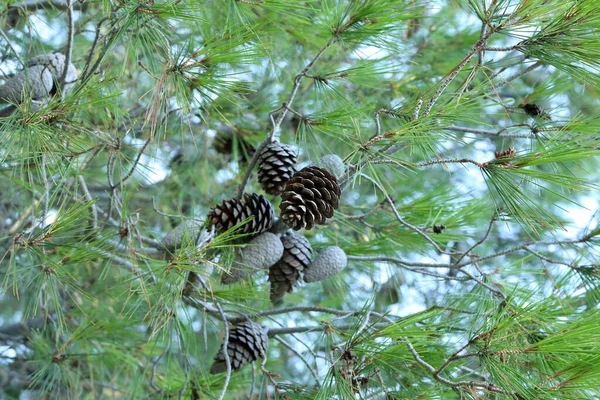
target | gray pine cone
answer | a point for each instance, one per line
(188, 230)
(39, 79)
(260, 253)
(333, 164)
(328, 263)
(277, 164)
(247, 342)
(297, 255)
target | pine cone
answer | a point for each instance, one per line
(332, 163)
(260, 253)
(247, 342)
(186, 231)
(533, 110)
(309, 198)
(229, 142)
(296, 258)
(276, 166)
(39, 79)
(329, 262)
(231, 212)
(510, 153)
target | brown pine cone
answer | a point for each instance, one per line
(309, 198)
(247, 342)
(297, 255)
(233, 211)
(277, 164)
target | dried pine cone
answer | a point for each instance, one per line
(247, 342)
(260, 253)
(510, 153)
(296, 258)
(329, 262)
(231, 212)
(277, 164)
(309, 198)
(533, 110)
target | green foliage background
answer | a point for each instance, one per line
(173, 98)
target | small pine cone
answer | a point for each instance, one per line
(328, 263)
(247, 342)
(439, 228)
(309, 198)
(277, 164)
(296, 258)
(231, 212)
(510, 153)
(533, 110)
(260, 253)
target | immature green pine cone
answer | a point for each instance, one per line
(187, 230)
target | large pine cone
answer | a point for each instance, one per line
(247, 342)
(297, 255)
(309, 198)
(276, 166)
(231, 212)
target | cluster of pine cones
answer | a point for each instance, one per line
(309, 196)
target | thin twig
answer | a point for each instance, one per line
(90, 199)
(301, 357)
(225, 351)
(135, 164)
(69, 49)
(399, 218)
(479, 242)
(277, 122)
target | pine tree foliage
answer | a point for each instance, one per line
(470, 224)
